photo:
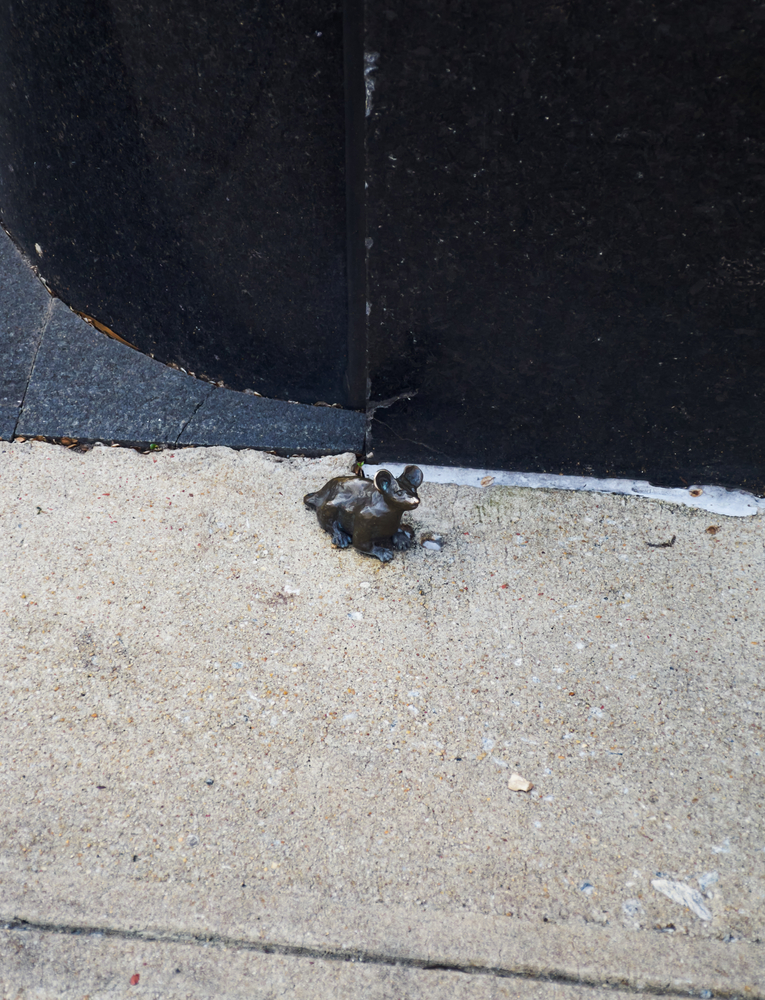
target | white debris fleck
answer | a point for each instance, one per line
(683, 894)
(370, 65)
(587, 888)
(355, 616)
(291, 591)
(707, 879)
(431, 541)
(237, 664)
(431, 544)
(723, 848)
(518, 783)
(38, 250)
(349, 717)
(631, 908)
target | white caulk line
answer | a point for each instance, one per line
(715, 499)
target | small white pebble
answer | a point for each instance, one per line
(517, 783)
(432, 542)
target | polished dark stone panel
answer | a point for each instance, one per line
(181, 167)
(241, 421)
(25, 309)
(85, 385)
(566, 209)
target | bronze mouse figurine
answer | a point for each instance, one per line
(367, 513)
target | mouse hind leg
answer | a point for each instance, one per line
(377, 547)
(340, 538)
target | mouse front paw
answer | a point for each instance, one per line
(404, 538)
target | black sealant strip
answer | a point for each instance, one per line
(618, 984)
(355, 202)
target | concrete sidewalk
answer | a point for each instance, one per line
(238, 762)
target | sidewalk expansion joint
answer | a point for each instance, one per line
(617, 984)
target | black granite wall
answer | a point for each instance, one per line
(181, 166)
(549, 224)
(568, 257)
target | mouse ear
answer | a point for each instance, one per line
(411, 476)
(384, 481)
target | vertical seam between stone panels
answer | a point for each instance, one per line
(43, 329)
(355, 202)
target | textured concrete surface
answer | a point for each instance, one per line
(73, 381)
(65, 967)
(215, 725)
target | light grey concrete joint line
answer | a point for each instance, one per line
(369, 958)
(196, 410)
(44, 326)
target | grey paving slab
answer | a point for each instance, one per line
(86, 385)
(213, 724)
(24, 310)
(237, 420)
